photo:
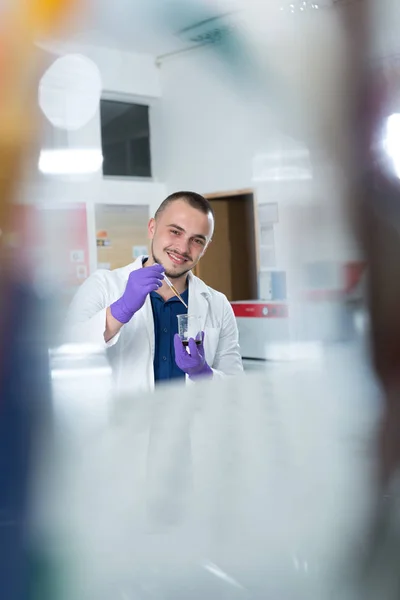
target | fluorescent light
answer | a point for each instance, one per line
(70, 161)
(392, 141)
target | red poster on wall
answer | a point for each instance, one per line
(52, 243)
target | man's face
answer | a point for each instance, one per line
(180, 237)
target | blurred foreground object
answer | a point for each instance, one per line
(238, 491)
(24, 369)
(377, 219)
(229, 497)
(345, 108)
(24, 412)
(247, 489)
(22, 24)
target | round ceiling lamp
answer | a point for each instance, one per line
(70, 91)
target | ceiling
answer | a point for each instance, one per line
(144, 26)
(160, 27)
(152, 26)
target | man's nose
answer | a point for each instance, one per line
(183, 246)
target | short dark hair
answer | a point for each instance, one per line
(192, 198)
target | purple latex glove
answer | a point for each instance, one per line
(193, 364)
(140, 283)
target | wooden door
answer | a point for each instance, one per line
(230, 263)
(215, 266)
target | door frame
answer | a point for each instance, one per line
(216, 195)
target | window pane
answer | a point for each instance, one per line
(125, 135)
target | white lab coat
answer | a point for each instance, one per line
(131, 351)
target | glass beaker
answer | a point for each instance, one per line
(189, 326)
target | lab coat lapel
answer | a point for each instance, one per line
(198, 299)
(147, 314)
(146, 311)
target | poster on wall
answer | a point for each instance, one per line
(77, 256)
(102, 239)
(61, 228)
(81, 272)
(121, 234)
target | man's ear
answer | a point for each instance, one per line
(151, 227)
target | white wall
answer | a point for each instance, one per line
(124, 76)
(218, 137)
(210, 133)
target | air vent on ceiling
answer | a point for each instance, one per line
(211, 30)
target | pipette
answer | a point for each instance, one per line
(173, 288)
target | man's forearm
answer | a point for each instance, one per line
(113, 326)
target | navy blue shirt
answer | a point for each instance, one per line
(165, 327)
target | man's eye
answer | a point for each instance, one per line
(174, 231)
(201, 242)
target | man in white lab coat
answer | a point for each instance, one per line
(132, 311)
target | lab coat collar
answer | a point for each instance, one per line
(198, 285)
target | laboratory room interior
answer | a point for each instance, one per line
(199, 345)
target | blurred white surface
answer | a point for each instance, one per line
(250, 488)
